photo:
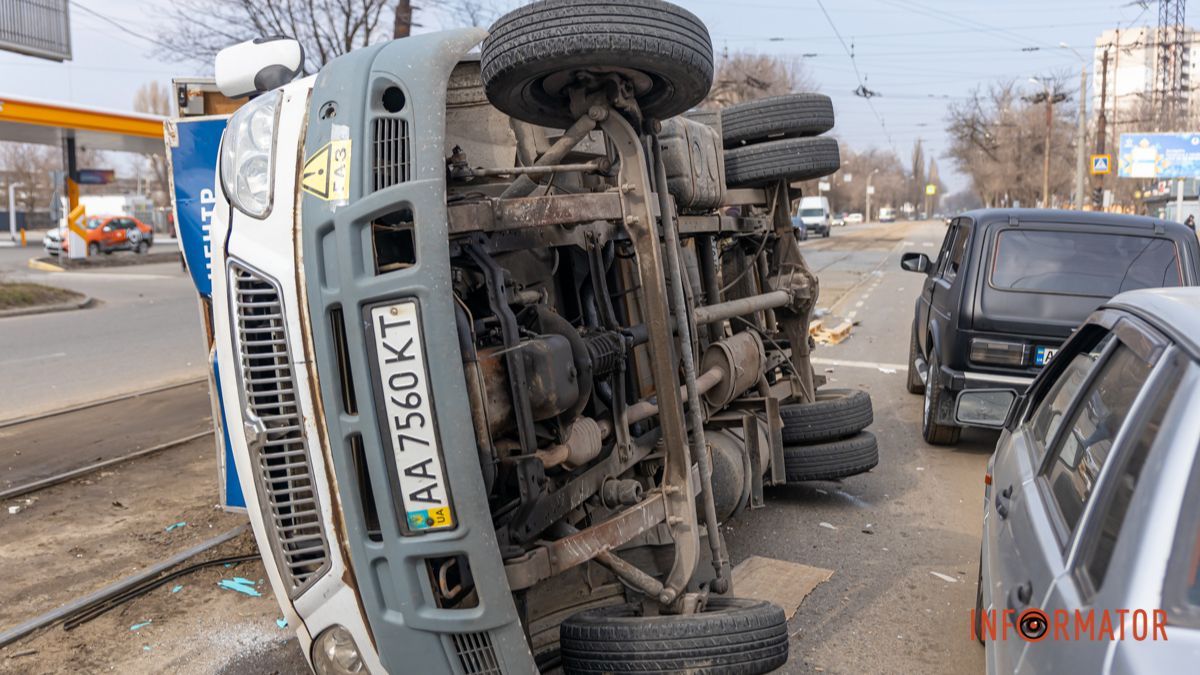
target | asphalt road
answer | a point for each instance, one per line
(143, 331)
(916, 514)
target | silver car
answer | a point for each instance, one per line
(1091, 528)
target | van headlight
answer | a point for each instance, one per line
(334, 653)
(247, 155)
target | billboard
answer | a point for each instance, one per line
(1159, 156)
(36, 27)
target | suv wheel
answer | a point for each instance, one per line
(730, 635)
(934, 433)
(914, 383)
(534, 53)
(142, 248)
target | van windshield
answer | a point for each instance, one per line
(811, 213)
(1082, 263)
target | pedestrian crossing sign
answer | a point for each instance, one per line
(1101, 164)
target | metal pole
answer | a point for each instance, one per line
(868, 214)
(1046, 154)
(1081, 139)
(12, 209)
(1179, 202)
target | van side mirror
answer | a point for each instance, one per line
(915, 262)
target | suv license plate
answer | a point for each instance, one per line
(408, 416)
(1043, 355)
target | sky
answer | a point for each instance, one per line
(919, 56)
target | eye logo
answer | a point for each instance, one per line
(1033, 625)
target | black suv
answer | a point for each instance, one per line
(1009, 286)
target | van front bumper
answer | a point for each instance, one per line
(394, 566)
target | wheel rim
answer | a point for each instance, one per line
(927, 412)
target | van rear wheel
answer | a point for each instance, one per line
(730, 635)
(535, 54)
(787, 159)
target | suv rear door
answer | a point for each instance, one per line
(1043, 279)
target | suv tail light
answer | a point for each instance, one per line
(999, 353)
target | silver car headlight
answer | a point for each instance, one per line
(247, 155)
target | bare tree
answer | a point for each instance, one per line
(744, 76)
(155, 97)
(198, 29)
(917, 175)
(30, 165)
(998, 137)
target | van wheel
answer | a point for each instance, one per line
(934, 433)
(831, 461)
(533, 55)
(913, 383)
(787, 159)
(836, 413)
(778, 116)
(730, 635)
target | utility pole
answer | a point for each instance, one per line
(402, 24)
(1050, 98)
(869, 190)
(1081, 135)
(1101, 129)
(1046, 153)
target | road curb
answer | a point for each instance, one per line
(35, 264)
(46, 309)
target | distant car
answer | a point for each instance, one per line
(887, 215)
(800, 228)
(854, 219)
(1009, 286)
(1092, 501)
(839, 220)
(105, 234)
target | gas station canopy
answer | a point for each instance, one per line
(26, 120)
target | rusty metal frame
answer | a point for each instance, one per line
(575, 549)
(678, 495)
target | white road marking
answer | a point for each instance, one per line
(55, 355)
(852, 314)
(858, 304)
(874, 365)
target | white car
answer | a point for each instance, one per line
(854, 219)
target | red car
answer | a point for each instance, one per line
(106, 234)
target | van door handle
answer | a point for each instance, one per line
(1002, 498)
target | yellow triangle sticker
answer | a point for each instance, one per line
(326, 174)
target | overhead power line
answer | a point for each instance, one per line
(862, 89)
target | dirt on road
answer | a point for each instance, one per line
(70, 540)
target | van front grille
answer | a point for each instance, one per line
(275, 431)
(476, 654)
(389, 148)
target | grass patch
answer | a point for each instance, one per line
(14, 295)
